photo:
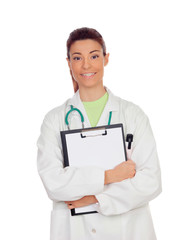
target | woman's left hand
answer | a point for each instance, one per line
(85, 201)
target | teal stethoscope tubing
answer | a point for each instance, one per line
(82, 117)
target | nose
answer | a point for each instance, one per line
(86, 63)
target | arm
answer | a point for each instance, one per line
(63, 184)
(121, 172)
(121, 197)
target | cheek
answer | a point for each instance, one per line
(100, 67)
(74, 69)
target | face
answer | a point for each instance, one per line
(87, 63)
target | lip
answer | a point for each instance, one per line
(85, 76)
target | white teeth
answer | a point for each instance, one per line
(88, 74)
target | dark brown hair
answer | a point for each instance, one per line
(83, 34)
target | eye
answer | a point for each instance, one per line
(77, 58)
(94, 56)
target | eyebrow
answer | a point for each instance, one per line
(95, 51)
(89, 52)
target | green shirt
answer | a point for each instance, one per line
(94, 109)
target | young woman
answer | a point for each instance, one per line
(121, 194)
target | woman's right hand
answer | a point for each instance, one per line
(121, 172)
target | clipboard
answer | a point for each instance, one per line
(102, 146)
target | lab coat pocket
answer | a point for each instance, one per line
(59, 225)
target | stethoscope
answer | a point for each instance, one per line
(82, 117)
(129, 137)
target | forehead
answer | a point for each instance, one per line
(85, 46)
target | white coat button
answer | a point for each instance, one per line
(93, 230)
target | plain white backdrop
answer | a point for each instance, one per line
(145, 41)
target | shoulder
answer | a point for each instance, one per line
(134, 118)
(55, 115)
(129, 109)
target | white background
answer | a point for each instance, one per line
(145, 40)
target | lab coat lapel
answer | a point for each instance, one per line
(111, 106)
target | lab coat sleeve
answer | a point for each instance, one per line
(63, 184)
(118, 198)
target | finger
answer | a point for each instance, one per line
(130, 162)
(70, 206)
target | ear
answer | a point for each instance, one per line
(106, 59)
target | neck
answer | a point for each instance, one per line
(91, 94)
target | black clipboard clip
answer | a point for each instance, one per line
(129, 139)
(101, 134)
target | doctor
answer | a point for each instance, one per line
(121, 194)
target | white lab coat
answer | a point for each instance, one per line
(123, 208)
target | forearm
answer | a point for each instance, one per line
(121, 172)
(108, 177)
(63, 184)
(85, 201)
(118, 198)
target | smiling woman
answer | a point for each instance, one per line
(121, 194)
(86, 62)
(85, 34)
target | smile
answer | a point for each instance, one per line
(88, 74)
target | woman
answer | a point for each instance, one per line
(121, 194)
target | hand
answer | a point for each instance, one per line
(85, 201)
(121, 172)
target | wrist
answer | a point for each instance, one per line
(95, 199)
(92, 199)
(108, 177)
